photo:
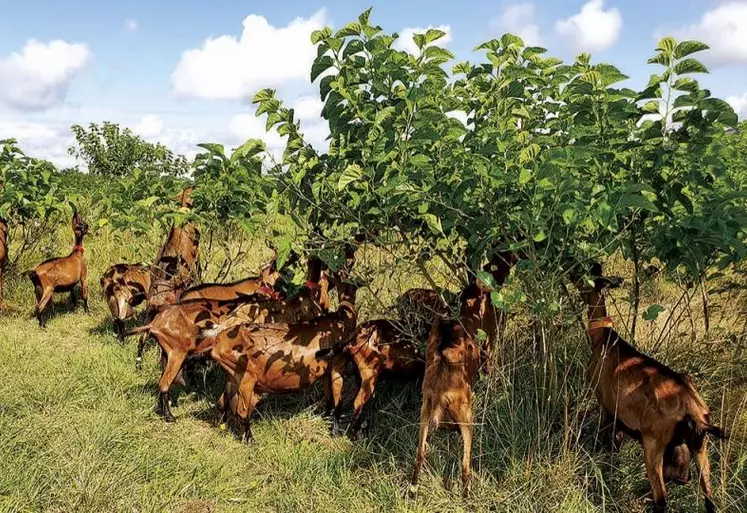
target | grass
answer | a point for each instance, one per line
(79, 432)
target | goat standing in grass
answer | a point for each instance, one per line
(284, 357)
(124, 286)
(383, 348)
(3, 254)
(647, 400)
(453, 360)
(62, 274)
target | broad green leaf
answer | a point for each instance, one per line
(352, 173)
(685, 48)
(652, 312)
(689, 65)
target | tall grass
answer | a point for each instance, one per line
(78, 432)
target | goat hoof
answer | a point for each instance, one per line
(169, 417)
(358, 435)
(412, 491)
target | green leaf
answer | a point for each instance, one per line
(652, 312)
(686, 48)
(434, 223)
(432, 35)
(529, 153)
(352, 173)
(525, 175)
(321, 64)
(637, 201)
(689, 66)
(353, 28)
(321, 34)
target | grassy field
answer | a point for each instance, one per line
(78, 431)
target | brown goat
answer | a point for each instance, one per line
(62, 274)
(175, 329)
(3, 254)
(452, 362)
(311, 302)
(174, 269)
(384, 348)
(284, 357)
(125, 286)
(268, 277)
(647, 400)
(178, 257)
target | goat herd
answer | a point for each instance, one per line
(269, 343)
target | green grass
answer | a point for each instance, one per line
(78, 432)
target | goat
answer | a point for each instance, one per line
(452, 362)
(3, 254)
(173, 270)
(311, 302)
(284, 357)
(646, 399)
(383, 348)
(62, 274)
(124, 286)
(268, 277)
(175, 329)
(178, 257)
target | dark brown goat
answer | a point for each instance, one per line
(3, 254)
(125, 286)
(62, 274)
(647, 400)
(285, 357)
(452, 362)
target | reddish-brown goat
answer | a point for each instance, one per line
(124, 286)
(452, 362)
(62, 274)
(174, 269)
(646, 399)
(282, 357)
(310, 302)
(3, 254)
(268, 277)
(383, 348)
(175, 329)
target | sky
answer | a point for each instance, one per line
(182, 72)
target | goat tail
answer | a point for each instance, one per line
(717, 432)
(701, 427)
(138, 330)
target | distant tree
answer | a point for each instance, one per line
(109, 150)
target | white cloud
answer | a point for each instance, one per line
(39, 76)
(519, 19)
(227, 67)
(405, 41)
(592, 29)
(724, 29)
(130, 25)
(739, 104)
(307, 109)
(39, 140)
(150, 126)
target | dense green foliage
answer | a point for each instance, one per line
(108, 150)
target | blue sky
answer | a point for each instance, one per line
(179, 72)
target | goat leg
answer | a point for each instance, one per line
(420, 456)
(653, 451)
(163, 408)
(704, 469)
(369, 378)
(119, 326)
